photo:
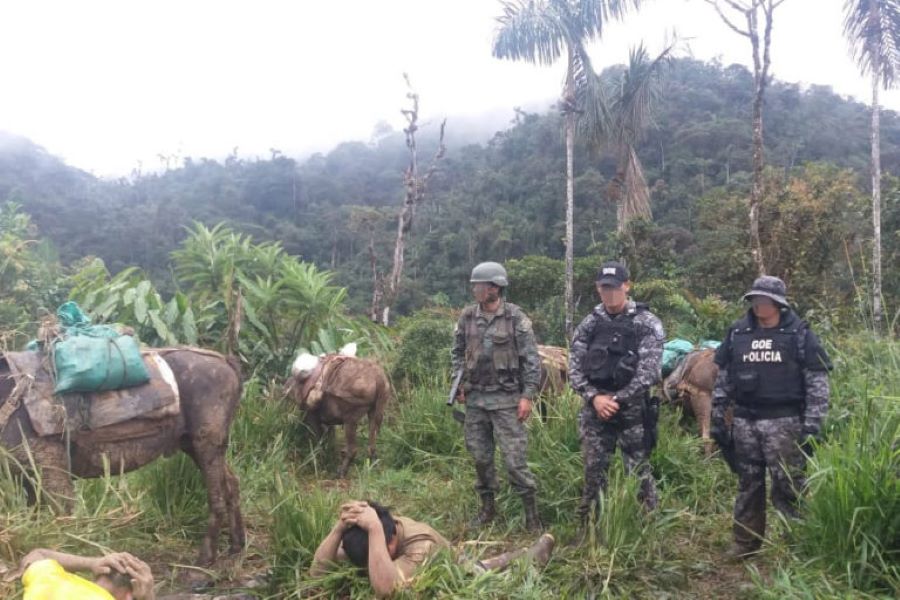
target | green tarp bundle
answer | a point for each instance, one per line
(94, 358)
(673, 352)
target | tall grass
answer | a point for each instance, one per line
(846, 546)
(853, 505)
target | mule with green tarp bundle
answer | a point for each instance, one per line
(187, 403)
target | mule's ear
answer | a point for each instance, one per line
(304, 365)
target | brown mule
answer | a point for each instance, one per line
(209, 388)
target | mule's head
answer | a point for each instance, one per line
(670, 389)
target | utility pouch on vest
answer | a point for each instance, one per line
(595, 361)
(504, 354)
(746, 382)
(625, 369)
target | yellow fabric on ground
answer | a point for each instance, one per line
(47, 580)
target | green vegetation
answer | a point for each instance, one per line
(263, 258)
(846, 547)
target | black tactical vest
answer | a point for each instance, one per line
(612, 351)
(766, 368)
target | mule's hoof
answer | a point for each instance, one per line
(235, 549)
(206, 559)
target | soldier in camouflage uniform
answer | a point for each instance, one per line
(775, 372)
(615, 358)
(494, 346)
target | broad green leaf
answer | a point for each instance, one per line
(144, 287)
(171, 315)
(161, 330)
(103, 312)
(250, 313)
(189, 327)
(140, 309)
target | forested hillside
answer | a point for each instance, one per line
(503, 199)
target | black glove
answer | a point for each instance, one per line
(719, 430)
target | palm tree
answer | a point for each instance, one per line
(873, 29)
(541, 32)
(630, 101)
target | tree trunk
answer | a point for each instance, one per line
(376, 280)
(415, 193)
(876, 200)
(569, 104)
(761, 73)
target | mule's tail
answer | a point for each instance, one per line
(235, 363)
(383, 395)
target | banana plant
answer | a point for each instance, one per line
(129, 298)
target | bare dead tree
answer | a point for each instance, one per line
(749, 11)
(363, 221)
(416, 185)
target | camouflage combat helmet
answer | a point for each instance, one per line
(489, 272)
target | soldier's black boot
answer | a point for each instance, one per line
(583, 515)
(487, 513)
(532, 519)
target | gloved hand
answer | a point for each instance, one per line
(718, 429)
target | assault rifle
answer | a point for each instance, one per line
(454, 392)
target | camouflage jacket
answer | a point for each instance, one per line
(498, 355)
(650, 349)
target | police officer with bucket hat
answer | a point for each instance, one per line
(774, 373)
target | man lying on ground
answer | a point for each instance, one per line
(46, 575)
(391, 548)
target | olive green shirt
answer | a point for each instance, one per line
(416, 543)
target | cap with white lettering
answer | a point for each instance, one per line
(613, 273)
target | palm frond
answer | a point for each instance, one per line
(529, 30)
(596, 120)
(591, 16)
(872, 28)
(635, 197)
(539, 31)
(637, 90)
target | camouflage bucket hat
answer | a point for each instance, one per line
(770, 287)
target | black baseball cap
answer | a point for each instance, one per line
(613, 273)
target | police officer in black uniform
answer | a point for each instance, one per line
(615, 358)
(774, 372)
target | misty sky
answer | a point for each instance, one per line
(108, 83)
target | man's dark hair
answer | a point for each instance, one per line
(356, 539)
(120, 581)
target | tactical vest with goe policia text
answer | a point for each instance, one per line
(766, 369)
(612, 356)
(492, 356)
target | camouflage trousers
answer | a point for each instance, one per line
(598, 445)
(762, 444)
(485, 427)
